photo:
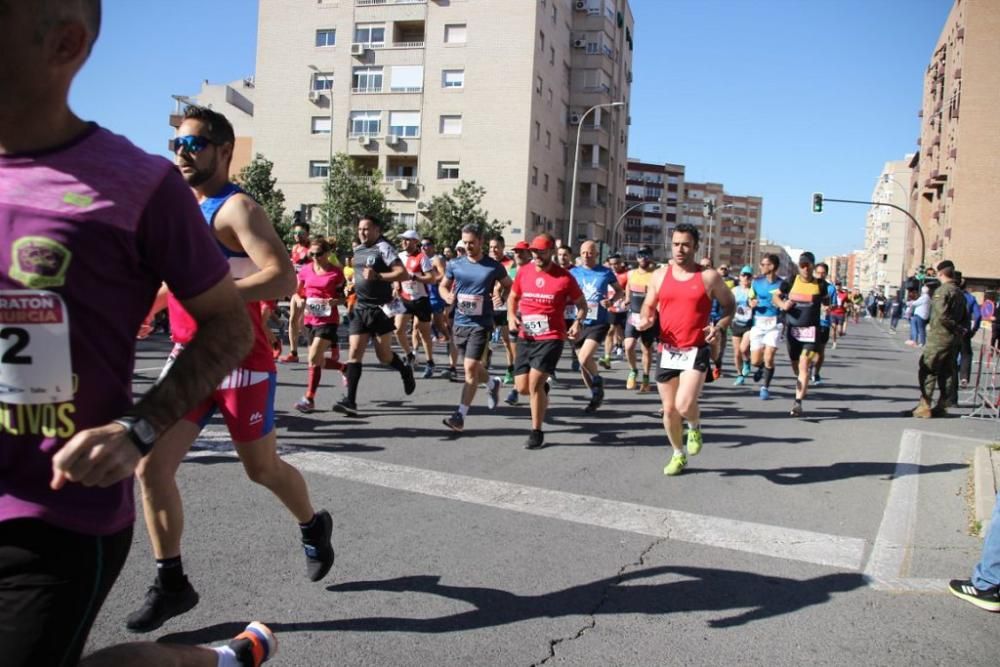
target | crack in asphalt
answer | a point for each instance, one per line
(591, 622)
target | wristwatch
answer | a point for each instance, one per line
(140, 432)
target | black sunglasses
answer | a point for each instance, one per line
(316, 254)
(426, 245)
(190, 143)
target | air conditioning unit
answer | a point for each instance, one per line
(314, 95)
(357, 49)
(579, 43)
(392, 140)
(574, 119)
(580, 5)
(421, 205)
(364, 140)
(401, 183)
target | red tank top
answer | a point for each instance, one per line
(684, 308)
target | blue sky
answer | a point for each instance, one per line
(777, 98)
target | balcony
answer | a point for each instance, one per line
(366, 90)
(408, 35)
(375, 3)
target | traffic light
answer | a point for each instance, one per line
(817, 202)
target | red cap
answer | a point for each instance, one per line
(522, 245)
(541, 243)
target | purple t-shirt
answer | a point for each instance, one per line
(88, 231)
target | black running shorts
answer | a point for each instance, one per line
(540, 355)
(596, 331)
(701, 363)
(371, 320)
(473, 342)
(324, 331)
(420, 308)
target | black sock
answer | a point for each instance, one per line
(312, 529)
(397, 363)
(352, 371)
(170, 574)
(768, 374)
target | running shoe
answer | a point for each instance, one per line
(746, 368)
(835, 344)
(317, 544)
(676, 465)
(492, 393)
(633, 376)
(596, 398)
(160, 606)
(290, 358)
(409, 384)
(658, 414)
(605, 362)
(988, 599)
(428, 371)
(694, 441)
(644, 387)
(411, 359)
(758, 374)
(536, 439)
(740, 379)
(511, 397)
(346, 407)
(716, 373)
(255, 645)
(305, 405)
(456, 422)
(796, 410)
(765, 394)
(816, 381)
(508, 377)
(450, 374)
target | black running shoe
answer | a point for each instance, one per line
(758, 374)
(160, 606)
(409, 383)
(796, 410)
(346, 407)
(988, 599)
(536, 439)
(595, 401)
(319, 547)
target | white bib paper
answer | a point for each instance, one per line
(633, 319)
(535, 325)
(766, 322)
(414, 289)
(743, 314)
(470, 305)
(593, 310)
(394, 307)
(804, 334)
(318, 307)
(678, 359)
(35, 365)
(569, 313)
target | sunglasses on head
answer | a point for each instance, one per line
(190, 143)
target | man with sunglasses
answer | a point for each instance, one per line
(636, 283)
(803, 299)
(260, 264)
(767, 331)
(416, 299)
(89, 220)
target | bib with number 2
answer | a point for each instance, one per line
(35, 365)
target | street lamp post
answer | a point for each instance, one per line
(614, 230)
(576, 163)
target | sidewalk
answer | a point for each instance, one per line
(986, 481)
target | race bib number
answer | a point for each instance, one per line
(593, 310)
(569, 312)
(804, 334)
(414, 289)
(470, 305)
(319, 307)
(743, 314)
(35, 366)
(682, 359)
(394, 307)
(634, 318)
(535, 325)
(767, 322)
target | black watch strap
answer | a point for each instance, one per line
(142, 445)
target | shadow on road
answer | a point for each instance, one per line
(691, 589)
(831, 473)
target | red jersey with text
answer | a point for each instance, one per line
(320, 289)
(684, 309)
(543, 298)
(411, 290)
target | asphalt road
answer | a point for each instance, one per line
(824, 540)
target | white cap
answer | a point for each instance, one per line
(460, 245)
(410, 234)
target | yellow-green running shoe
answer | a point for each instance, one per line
(676, 465)
(630, 382)
(694, 441)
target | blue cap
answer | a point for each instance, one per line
(747, 270)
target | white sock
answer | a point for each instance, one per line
(227, 657)
(463, 410)
(694, 426)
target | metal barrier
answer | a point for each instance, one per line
(985, 394)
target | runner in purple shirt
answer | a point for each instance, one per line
(86, 220)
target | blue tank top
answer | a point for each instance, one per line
(210, 208)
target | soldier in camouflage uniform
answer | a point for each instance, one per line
(944, 338)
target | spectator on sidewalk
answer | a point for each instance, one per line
(983, 589)
(897, 309)
(975, 321)
(921, 312)
(949, 319)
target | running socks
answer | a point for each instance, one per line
(315, 373)
(463, 410)
(352, 371)
(170, 574)
(596, 384)
(768, 374)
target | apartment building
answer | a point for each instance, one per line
(653, 195)
(234, 100)
(729, 224)
(786, 263)
(839, 268)
(957, 168)
(433, 92)
(888, 230)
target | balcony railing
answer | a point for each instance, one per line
(408, 45)
(406, 89)
(372, 3)
(367, 90)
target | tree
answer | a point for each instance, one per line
(446, 214)
(351, 192)
(257, 181)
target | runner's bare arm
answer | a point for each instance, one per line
(395, 273)
(618, 293)
(718, 290)
(105, 455)
(244, 221)
(647, 317)
(445, 290)
(513, 319)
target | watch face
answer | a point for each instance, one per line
(144, 430)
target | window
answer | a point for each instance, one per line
(371, 35)
(552, 55)
(451, 125)
(322, 81)
(545, 182)
(454, 33)
(368, 123)
(555, 12)
(407, 220)
(453, 78)
(541, 41)
(565, 153)
(367, 80)
(402, 171)
(448, 170)
(319, 168)
(407, 79)
(534, 175)
(561, 189)
(404, 123)
(326, 37)
(320, 125)
(549, 97)
(548, 139)
(538, 130)
(538, 85)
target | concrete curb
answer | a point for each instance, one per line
(985, 476)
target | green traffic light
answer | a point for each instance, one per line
(817, 202)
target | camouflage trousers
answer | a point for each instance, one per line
(941, 371)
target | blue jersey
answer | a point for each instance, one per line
(594, 284)
(744, 313)
(473, 289)
(824, 317)
(764, 292)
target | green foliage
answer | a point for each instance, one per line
(257, 181)
(446, 214)
(351, 192)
